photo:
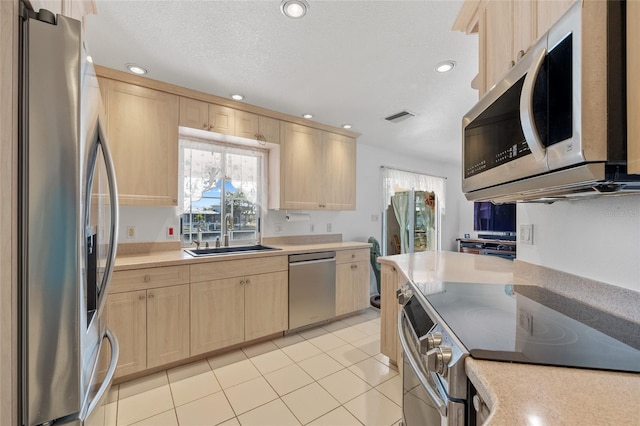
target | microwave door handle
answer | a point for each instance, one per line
(439, 403)
(526, 108)
(115, 216)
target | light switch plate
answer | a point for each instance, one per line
(526, 235)
(131, 232)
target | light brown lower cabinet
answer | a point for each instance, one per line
(228, 311)
(352, 287)
(266, 304)
(126, 316)
(152, 327)
(352, 280)
(167, 325)
(389, 308)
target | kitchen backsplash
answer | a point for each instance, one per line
(598, 239)
(150, 224)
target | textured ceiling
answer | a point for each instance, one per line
(345, 62)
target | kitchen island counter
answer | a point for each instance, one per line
(522, 394)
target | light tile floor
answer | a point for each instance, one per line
(329, 375)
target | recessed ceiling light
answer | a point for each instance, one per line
(136, 69)
(89, 59)
(445, 66)
(346, 126)
(307, 115)
(294, 8)
(237, 97)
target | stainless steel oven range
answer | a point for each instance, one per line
(433, 378)
(440, 324)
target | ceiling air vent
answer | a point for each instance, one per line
(402, 115)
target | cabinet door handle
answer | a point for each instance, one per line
(353, 255)
(150, 295)
(147, 278)
(141, 297)
(520, 55)
(205, 125)
(241, 282)
(248, 281)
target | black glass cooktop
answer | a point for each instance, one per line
(534, 325)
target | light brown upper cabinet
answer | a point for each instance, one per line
(301, 168)
(339, 189)
(202, 115)
(495, 30)
(259, 127)
(317, 170)
(549, 11)
(506, 29)
(215, 118)
(142, 127)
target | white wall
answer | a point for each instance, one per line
(358, 225)
(597, 239)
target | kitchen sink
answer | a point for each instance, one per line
(228, 250)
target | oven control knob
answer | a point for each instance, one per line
(433, 340)
(430, 341)
(438, 360)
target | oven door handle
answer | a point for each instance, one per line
(439, 403)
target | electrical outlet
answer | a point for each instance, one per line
(329, 227)
(171, 232)
(278, 228)
(312, 228)
(526, 235)
(131, 232)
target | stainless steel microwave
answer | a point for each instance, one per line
(555, 125)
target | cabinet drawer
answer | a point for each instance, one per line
(145, 278)
(237, 268)
(356, 255)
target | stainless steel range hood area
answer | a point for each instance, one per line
(586, 181)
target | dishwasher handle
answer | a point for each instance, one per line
(307, 257)
(311, 262)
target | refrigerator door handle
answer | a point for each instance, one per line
(115, 217)
(108, 379)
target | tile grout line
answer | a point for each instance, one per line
(296, 363)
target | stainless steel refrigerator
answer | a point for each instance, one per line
(68, 228)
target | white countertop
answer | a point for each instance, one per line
(521, 394)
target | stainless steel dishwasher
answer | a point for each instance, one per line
(312, 288)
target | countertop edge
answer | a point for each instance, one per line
(179, 257)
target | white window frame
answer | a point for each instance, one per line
(225, 148)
